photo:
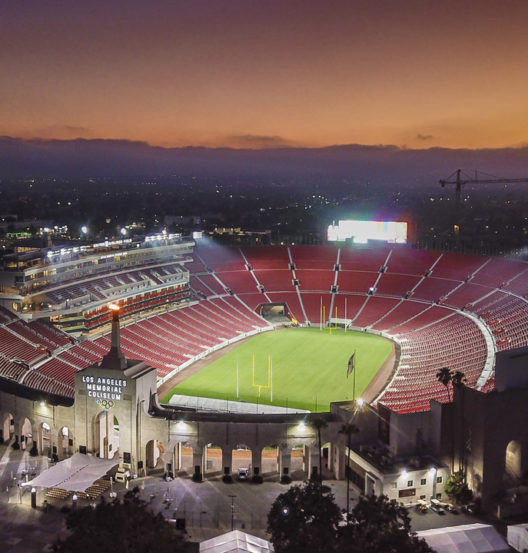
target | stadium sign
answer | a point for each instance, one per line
(360, 232)
(104, 390)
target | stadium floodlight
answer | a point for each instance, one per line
(302, 426)
(113, 307)
(360, 402)
(84, 229)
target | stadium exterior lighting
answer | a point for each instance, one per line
(84, 229)
(123, 231)
(404, 473)
(432, 471)
(302, 426)
(360, 402)
(181, 425)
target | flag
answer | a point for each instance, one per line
(351, 364)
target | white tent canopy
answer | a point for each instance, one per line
(75, 474)
(236, 542)
(466, 538)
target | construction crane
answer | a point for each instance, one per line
(459, 178)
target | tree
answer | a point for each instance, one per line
(305, 518)
(445, 376)
(120, 527)
(458, 379)
(319, 424)
(379, 525)
(457, 488)
(348, 429)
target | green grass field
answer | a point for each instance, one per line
(307, 367)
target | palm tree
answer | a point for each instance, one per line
(348, 429)
(445, 376)
(458, 379)
(320, 423)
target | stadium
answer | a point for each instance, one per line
(184, 303)
(439, 309)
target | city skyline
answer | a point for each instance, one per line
(249, 74)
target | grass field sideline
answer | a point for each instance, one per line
(305, 367)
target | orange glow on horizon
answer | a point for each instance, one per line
(268, 74)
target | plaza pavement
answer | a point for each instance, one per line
(206, 506)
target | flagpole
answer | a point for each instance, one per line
(354, 382)
(321, 315)
(346, 313)
(237, 375)
(271, 379)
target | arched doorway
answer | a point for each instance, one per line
(270, 460)
(297, 467)
(241, 459)
(8, 427)
(107, 435)
(45, 439)
(26, 434)
(154, 456)
(183, 457)
(213, 459)
(65, 442)
(512, 464)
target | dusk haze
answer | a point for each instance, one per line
(260, 74)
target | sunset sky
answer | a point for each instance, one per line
(247, 73)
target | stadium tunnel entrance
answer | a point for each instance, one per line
(276, 313)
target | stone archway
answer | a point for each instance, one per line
(65, 442)
(8, 427)
(45, 446)
(154, 456)
(183, 457)
(106, 435)
(513, 463)
(270, 460)
(241, 458)
(26, 434)
(213, 460)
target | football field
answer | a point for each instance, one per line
(303, 368)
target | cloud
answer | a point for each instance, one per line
(258, 141)
(63, 132)
(420, 136)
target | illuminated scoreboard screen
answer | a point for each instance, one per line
(360, 232)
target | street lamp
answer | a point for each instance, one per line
(232, 496)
